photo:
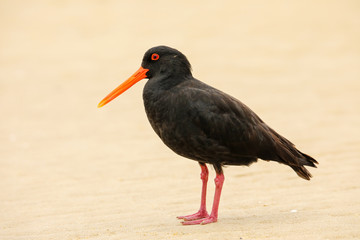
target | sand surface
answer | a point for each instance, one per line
(69, 170)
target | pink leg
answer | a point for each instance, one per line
(202, 213)
(219, 180)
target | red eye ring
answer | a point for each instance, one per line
(155, 56)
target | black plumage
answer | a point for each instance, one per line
(205, 124)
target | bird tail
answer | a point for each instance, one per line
(306, 160)
(289, 155)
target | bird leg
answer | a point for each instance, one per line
(202, 213)
(219, 180)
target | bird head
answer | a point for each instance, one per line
(158, 62)
(165, 61)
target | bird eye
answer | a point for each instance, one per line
(155, 56)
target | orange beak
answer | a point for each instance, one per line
(137, 76)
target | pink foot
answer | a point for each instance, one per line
(219, 180)
(199, 215)
(209, 219)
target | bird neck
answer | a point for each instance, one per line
(166, 81)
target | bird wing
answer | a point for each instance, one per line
(227, 122)
(225, 131)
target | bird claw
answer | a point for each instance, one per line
(201, 217)
(201, 214)
(209, 219)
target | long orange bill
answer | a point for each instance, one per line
(137, 76)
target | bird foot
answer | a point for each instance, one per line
(209, 219)
(201, 214)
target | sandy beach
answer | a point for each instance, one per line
(72, 171)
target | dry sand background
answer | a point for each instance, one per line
(72, 171)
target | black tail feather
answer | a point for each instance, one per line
(308, 160)
(288, 154)
(302, 172)
(297, 163)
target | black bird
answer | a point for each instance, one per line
(204, 124)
